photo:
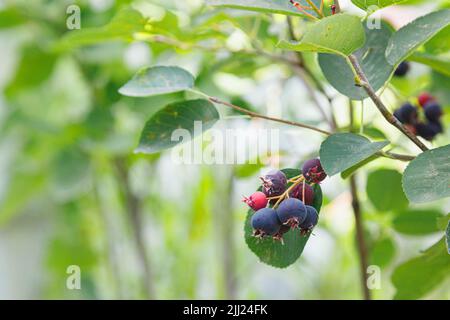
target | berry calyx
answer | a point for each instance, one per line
(256, 201)
(424, 98)
(297, 192)
(265, 223)
(433, 111)
(274, 183)
(291, 212)
(313, 172)
(279, 235)
(406, 114)
(312, 217)
(402, 69)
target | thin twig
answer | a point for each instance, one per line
(257, 115)
(356, 205)
(363, 81)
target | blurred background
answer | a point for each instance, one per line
(72, 192)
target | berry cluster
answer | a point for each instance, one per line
(285, 204)
(430, 126)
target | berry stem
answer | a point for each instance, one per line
(314, 7)
(362, 80)
(288, 190)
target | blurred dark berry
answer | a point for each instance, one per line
(297, 192)
(274, 183)
(406, 114)
(313, 172)
(436, 126)
(425, 131)
(433, 111)
(402, 69)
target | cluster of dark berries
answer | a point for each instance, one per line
(402, 69)
(285, 204)
(430, 126)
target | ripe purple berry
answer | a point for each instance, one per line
(256, 201)
(406, 114)
(291, 212)
(274, 183)
(433, 111)
(313, 172)
(265, 222)
(297, 192)
(402, 69)
(312, 217)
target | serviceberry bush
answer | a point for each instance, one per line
(381, 92)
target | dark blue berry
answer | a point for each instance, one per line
(274, 183)
(265, 222)
(433, 111)
(402, 69)
(313, 172)
(425, 131)
(291, 212)
(406, 114)
(312, 217)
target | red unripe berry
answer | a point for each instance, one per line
(256, 201)
(424, 98)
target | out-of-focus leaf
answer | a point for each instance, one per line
(11, 17)
(339, 34)
(384, 189)
(439, 63)
(417, 222)
(447, 236)
(123, 26)
(35, 66)
(427, 177)
(382, 252)
(157, 80)
(379, 4)
(418, 276)
(341, 151)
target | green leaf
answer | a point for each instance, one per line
(417, 222)
(339, 34)
(157, 80)
(372, 59)
(195, 116)
(427, 177)
(341, 151)
(365, 4)
(384, 190)
(349, 172)
(417, 277)
(440, 42)
(439, 63)
(273, 252)
(266, 6)
(122, 27)
(382, 252)
(11, 17)
(406, 40)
